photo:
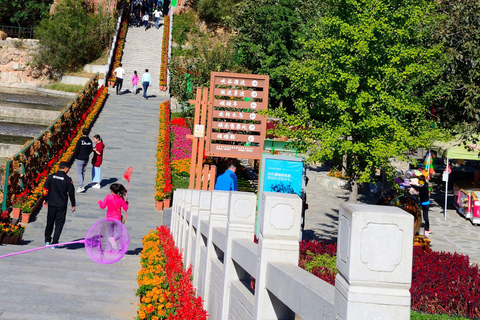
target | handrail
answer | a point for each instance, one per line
(28, 31)
(114, 44)
(37, 138)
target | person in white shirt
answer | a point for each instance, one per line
(145, 19)
(146, 82)
(157, 14)
(119, 73)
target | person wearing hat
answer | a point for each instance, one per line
(56, 191)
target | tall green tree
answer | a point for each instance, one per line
(460, 33)
(24, 13)
(366, 84)
(73, 36)
(267, 41)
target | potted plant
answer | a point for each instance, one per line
(27, 211)
(16, 234)
(158, 202)
(16, 210)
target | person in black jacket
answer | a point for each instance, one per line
(424, 195)
(56, 191)
(82, 152)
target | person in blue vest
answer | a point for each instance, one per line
(228, 180)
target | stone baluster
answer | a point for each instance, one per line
(201, 243)
(191, 235)
(240, 226)
(218, 219)
(374, 262)
(278, 241)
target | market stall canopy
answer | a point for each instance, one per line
(456, 149)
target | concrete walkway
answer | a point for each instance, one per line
(65, 284)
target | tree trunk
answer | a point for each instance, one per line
(344, 166)
(353, 191)
(384, 182)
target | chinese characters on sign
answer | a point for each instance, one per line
(235, 129)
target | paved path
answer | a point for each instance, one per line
(65, 284)
(456, 234)
(142, 51)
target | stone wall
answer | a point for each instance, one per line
(15, 56)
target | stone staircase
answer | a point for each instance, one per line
(143, 51)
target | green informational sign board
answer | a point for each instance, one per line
(174, 3)
(280, 174)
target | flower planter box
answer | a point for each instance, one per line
(159, 205)
(11, 239)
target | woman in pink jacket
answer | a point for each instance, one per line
(114, 202)
(135, 81)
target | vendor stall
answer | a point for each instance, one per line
(457, 149)
(466, 197)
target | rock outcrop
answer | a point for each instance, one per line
(15, 57)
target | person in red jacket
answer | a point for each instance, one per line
(97, 161)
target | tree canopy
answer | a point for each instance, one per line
(365, 79)
(25, 13)
(73, 36)
(459, 31)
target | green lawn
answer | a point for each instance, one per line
(64, 87)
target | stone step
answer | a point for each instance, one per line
(27, 115)
(142, 51)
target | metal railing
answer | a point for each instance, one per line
(18, 32)
(8, 164)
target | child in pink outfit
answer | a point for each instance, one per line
(114, 202)
(135, 81)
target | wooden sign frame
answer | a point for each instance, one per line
(234, 129)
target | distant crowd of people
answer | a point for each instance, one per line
(143, 10)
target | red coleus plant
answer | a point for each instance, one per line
(442, 282)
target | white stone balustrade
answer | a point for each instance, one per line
(215, 230)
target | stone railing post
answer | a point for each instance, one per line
(199, 260)
(218, 219)
(374, 262)
(191, 235)
(178, 219)
(183, 222)
(177, 197)
(278, 241)
(240, 225)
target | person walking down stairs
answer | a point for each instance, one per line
(146, 82)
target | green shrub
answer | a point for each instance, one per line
(184, 24)
(324, 263)
(74, 36)
(216, 11)
(422, 316)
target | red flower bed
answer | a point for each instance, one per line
(163, 184)
(164, 58)
(119, 46)
(442, 283)
(165, 288)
